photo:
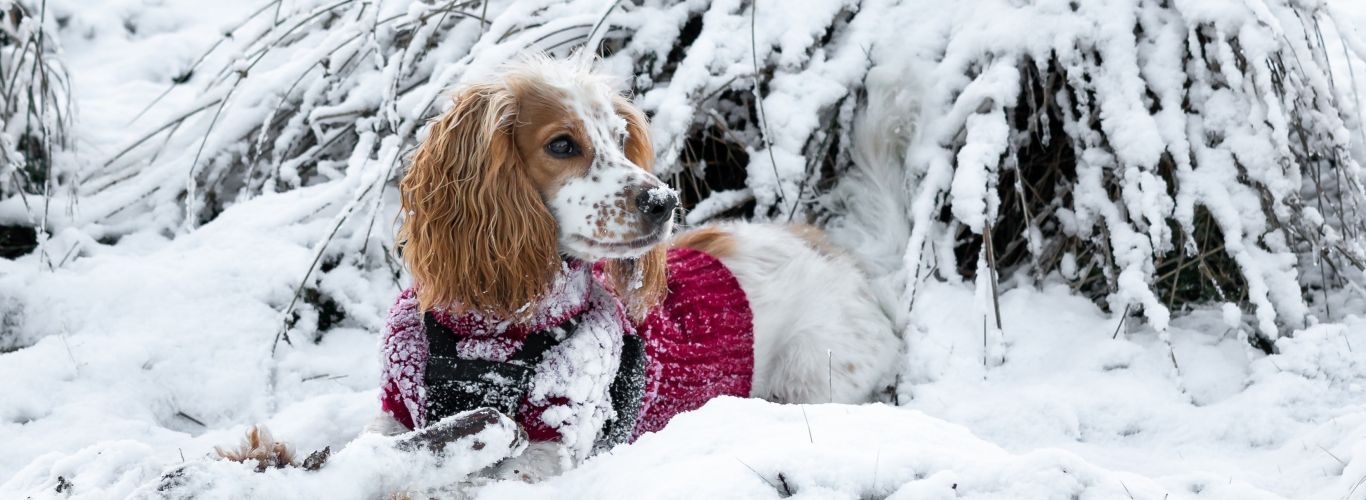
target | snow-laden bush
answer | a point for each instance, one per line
(35, 108)
(1154, 153)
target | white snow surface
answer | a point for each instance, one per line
(138, 357)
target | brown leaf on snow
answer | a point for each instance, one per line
(261, 447)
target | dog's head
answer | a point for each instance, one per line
(543, 160)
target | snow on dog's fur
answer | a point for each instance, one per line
(546, 162)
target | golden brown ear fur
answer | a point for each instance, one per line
(476, 234)
(640, 282)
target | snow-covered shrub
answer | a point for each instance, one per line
(35, 117)
(1151, 152)
(1154, 153)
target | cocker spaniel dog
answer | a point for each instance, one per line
(550, 286)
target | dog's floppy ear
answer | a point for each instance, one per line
(476, 234)
(640, 282)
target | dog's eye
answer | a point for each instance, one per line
(562, 147)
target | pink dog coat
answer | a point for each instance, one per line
(698, 344)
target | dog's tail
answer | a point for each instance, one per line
(874, 197)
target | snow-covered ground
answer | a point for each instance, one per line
(147, 353)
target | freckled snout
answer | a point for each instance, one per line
(655, 204)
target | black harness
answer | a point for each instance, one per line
(456, 385)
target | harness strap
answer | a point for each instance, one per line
(455, 384)
(627, 392)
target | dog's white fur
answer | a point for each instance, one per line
(819, 332)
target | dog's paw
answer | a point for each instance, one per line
(466, 428)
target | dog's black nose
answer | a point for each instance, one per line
(656, 204)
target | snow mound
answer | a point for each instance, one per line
(756, 449)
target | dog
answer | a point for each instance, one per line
(549, 283)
